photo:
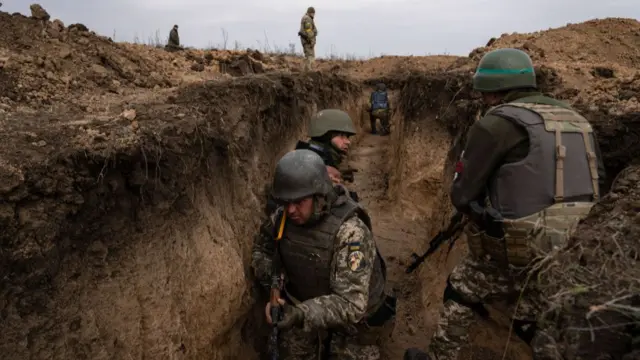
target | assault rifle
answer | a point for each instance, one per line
(456, 224)
(276, 312)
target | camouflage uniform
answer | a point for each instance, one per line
(380, 108)
(308, 33)
(537, 193)
(335, 279)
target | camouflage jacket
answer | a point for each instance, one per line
(347, 304)
(308, 28)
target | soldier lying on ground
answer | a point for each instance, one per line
(335, 277)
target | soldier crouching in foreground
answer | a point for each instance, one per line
(334, 296)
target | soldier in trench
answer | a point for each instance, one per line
(379, 108)
(529, 173)
(334, 295)
(308, 33)
(329, 132)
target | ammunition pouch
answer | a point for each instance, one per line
(525, 239)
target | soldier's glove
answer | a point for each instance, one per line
(293, 317)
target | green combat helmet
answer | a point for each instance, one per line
(311, 10)
(299, 174)
(330, 120)
(504, 69)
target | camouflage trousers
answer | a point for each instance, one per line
(308, 47)
(383, 115)
(479, 283)
(361, 343)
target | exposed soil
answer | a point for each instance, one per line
(132, 181)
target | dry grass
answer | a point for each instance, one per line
(591, 288)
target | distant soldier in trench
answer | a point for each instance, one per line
(379, 108)
(329, 132)
(334, 297)
(308, 33)
(538, 163)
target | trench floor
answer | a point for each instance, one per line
(396, 238)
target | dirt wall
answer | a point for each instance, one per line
(131, 239)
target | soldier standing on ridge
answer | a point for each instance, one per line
(174, 40)
(308, 34)
(379, 108)
(537, 161)
(334, 297)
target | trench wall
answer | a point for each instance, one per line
(132, 240)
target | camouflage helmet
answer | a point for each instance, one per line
(330, 120)
(504, 69)
(381, 86)
(299, 174)
(311, 10)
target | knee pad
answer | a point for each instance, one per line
(451, 294)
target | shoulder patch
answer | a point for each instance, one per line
(354, 246)
(357, 261)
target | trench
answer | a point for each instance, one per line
(135, 244)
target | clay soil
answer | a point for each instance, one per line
(132, 179)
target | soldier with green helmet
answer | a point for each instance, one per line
(329, 132)
(530, 171)
(334, 297)
(332, 128)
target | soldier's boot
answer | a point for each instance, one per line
(415, 354)
(385, 129)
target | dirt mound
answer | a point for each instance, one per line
(133, 241)
(593, 286)
(46, 65)
(610, 40)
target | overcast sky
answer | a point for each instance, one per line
(345, 27)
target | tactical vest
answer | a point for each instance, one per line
(307, 253)
(379, 101)
(545, 195)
